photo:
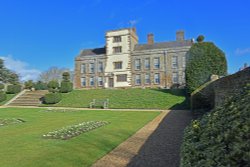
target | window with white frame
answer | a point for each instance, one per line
(184, 61)
(83, 81)
(117, 39)
(91, 81)
(100, 67)
(100, 81)
(175, 77)
(157, 63)
(83, 68)
(118, 65)
(92, 68)
(147, 63)
(157, 78)
(147, 78)
(117, 49)
(137, 64)
(137, 79)
(174, 62)
(121, 78)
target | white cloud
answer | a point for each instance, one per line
(243, 51)
(21, 68)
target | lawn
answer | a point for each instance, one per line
(127, 98)
(22, 144)
(9, 96)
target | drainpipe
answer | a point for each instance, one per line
(165, 67)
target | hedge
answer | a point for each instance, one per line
(221, 137)
(66, 87)
(52, 98)
(13, 89)
(1, 86)
(203, 60)
(40, 86)
(3, 96)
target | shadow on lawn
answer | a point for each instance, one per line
(162, 148)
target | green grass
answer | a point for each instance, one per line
(9, 96)
(127, 98)
(22, 144)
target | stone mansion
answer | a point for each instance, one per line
(125, 63)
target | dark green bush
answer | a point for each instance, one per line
(221, 137)
(66, 87)
(203, 60)
(52, 98)
(13, 89)
(28, 84)
(66, 76)
(200, 38)
(40, 85)
(1, 86)
(2, 96)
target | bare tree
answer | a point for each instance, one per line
(53, 73)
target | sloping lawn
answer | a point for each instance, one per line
(127, 98)
(22, 144)
(9, 96)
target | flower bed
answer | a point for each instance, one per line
(74, 130)
(9, 121)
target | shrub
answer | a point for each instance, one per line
(40, 85)
(1, 86)
(66, 76)
(53, 86)
(204, 59)
(52, 98)
(13, 89)
(66, 87)
(200, 38)
(221, 137)
(28, 84)
(2, 96)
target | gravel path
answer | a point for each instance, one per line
(155, 145)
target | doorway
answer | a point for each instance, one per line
(111, 82)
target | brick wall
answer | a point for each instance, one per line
(213, 94)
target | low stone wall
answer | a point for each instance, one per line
(212, 94)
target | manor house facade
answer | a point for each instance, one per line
(125, 63)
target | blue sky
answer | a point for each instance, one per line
(35, 35)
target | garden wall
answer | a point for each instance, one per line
(213, 94)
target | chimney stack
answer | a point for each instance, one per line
(180, 36)
(150, 39)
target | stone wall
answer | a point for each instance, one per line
(213, 94)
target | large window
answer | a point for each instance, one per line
(100, 81)
(117, 49)
(174, 62)
(83, 81)
(92, 68)
(147, 63)
(83, 68)
(121, 78)
(91, 81)
(157, 78)
(100, 67)
(147, 78)
(137, 64)
(117, 39)
(157, 63)
(118, 65)
(138, 79)
(175, 77)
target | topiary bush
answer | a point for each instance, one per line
(13, 89)
(221, 137)
(200, 38)
(28, 84)
(66, 87)
(2, 96)
(1, 86)
(40, 86)
(52, 98)
(203, 60)
(53, 86)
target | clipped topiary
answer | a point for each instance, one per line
(66, 76)
(66, 87)
(28, 84)
(40, 86)
(203, 60)
(1, 86)
(221, 137)
(2, 96)
(53, 86)
(200, 38)
(13, 89)
(52, 98)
